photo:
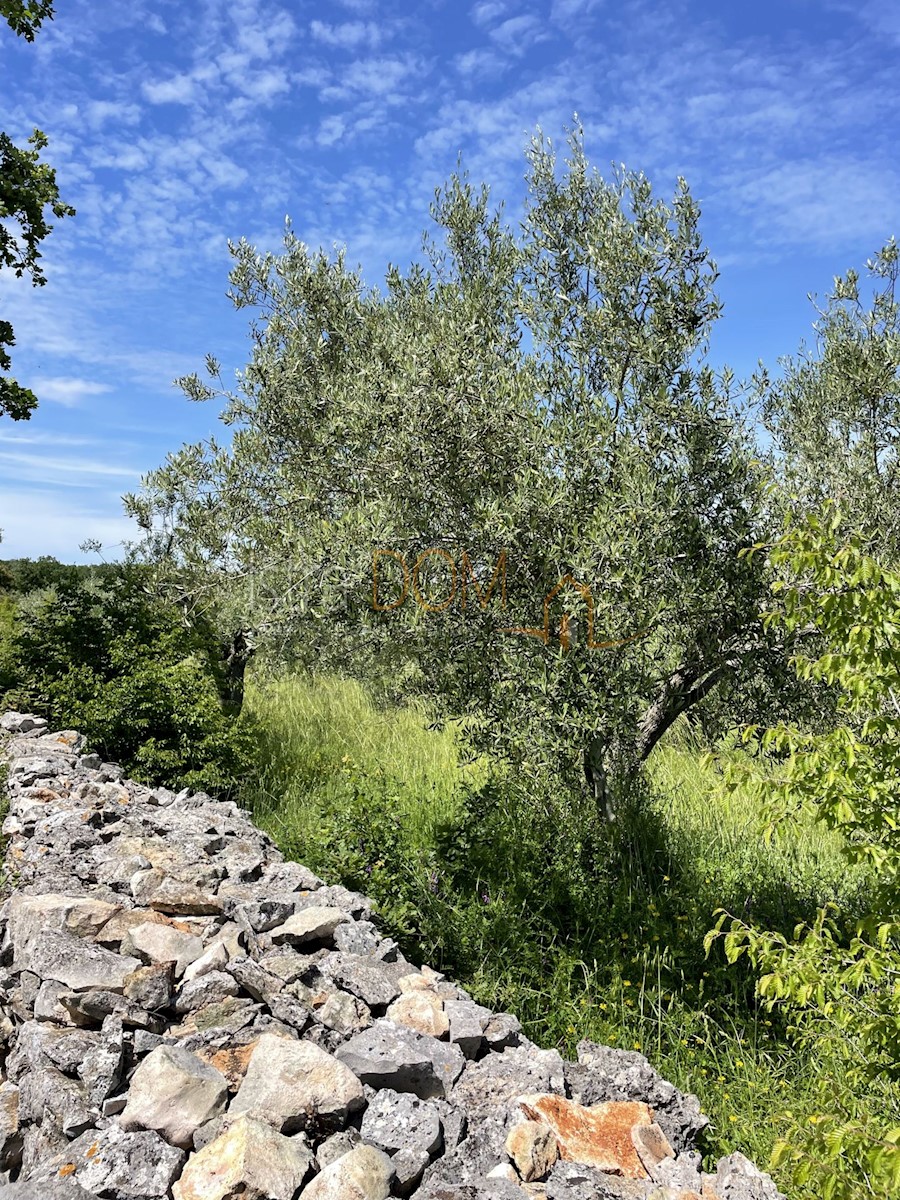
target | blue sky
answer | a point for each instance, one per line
(176, 126)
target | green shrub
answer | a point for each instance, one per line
(837, 979)
(122, 667)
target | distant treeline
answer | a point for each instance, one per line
(22, 575)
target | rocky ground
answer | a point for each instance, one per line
(184, 1014)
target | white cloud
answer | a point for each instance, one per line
(66, 390)
(516, 34)
(488, 11)
(331, 130)
(71, 472)
(350, 35)
(562, 11)
(180, 89)
(477, 64)
(98, 112)
(380, 76)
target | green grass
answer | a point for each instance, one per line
(316, 731)
(538, 908)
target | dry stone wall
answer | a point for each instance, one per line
(186, 1015)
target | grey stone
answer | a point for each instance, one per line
(373, 982)
(498, 1079)
(471, 1160)
(399, 1121)
(389, 1055)
(263, 915)
(208, 989)
(48, 1094)
(113, 1163)
(738, 1179)
(57, 1189)
(312, 924)
(155, 942)
(173, 1093)
(344, 1014)
(467, 1024)
(333, 1147)
(101, 1068)
(502, 1030)
(167, 894)
(248, 1160)
(255, 979)
(364, 1173)
(151, 987)
(572, 1181)
(357, 937)
(76, 963)
(289, 877)
(10, 1133)
(97, 1004)
(293, 1084)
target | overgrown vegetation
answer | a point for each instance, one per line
(542, 909)
(528, 425)
(120, 665)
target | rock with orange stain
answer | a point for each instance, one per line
(599, 1136)
(231, 1062)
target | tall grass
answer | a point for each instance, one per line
(539, 908)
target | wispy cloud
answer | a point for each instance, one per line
(350, 35)
(517, 34)
(51, 522)
(67, 390)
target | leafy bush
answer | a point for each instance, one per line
(839, 980)
(121, 666)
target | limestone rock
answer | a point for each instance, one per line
(334, 1146)
(389, 1055)
(422, 1011)
(311, 924)
(173, 1092)
(291, 1084)
(738, 1179)
(151, 987)
(211, 988)
(363, 1174)
(533, 1148)
(599, 1136)
(10, 1133)
(113, 1163)
(496, 1080)
(156, 942)
(652, 1147)
(395, 1121)
(373, 982)
(249, 1161)
(77, 963)
(167, 894)
(58, 1189)
(213, 959)
(467, 1024)
(603, 1073)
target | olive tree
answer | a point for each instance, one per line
(834, 411)
(526, 413)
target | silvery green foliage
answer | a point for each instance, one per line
(536, 391)
(834, 415)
